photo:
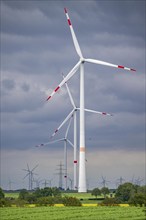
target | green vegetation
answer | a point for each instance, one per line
(71, 201)
(132, 194)
(105, 191)
(125, 193)
(70, 213)
(2, 195)
(96, 192)
(43, 204)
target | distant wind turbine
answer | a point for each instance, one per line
(104, 181)
(30, 174)
(65, 140)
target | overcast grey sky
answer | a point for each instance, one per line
(36, 47)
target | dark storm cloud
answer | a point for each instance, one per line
(8, 84)
(36, 47)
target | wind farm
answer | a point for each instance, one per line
(72, 144)
(82, 168)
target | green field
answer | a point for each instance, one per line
(72, 213)
(13, 195)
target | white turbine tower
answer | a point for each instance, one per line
(82, 171)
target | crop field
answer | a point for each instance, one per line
(72, 213)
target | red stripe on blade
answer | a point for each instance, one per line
(56, 130)
(56, 89)
(122, 67)
(104, 113)
(65, 10)
(75, 161)
(48, 98)
(132, 69)
(69, 22)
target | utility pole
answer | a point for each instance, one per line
(60, 175)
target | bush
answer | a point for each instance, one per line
(45, 201)
(71, 201)
(19, 202)
(2, 195)
(110, 202)
(23, 194)
(31, 198)
(58, 199)
(5, 202)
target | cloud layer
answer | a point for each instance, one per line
(36, 47)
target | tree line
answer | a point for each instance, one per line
(125, 193)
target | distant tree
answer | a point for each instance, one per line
(138, 199)
(47, 191)
(125, 191)
(105, 191)
(2, 195)
(142, 189)
(96, 192)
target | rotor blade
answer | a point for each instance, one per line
(69, 75)
(65, 120)
(70, 142)
(69, 93)
(97, 112)
(28, 167)
(107, 64)
(75, 41)
(50, 142)
(26, 175)
(34, 167)
(66, 133)
(25, 170)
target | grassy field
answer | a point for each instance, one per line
(72, 213)
(13, 195)
(77, 195)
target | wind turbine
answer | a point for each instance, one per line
(30, 174)
(65, 140)
(37, 181)
(82, 170)
(10, 184)
(47, 182)
(73, 114)
(104, 181)
(138, 181)
(120, 180)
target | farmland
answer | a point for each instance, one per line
(69, 213)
